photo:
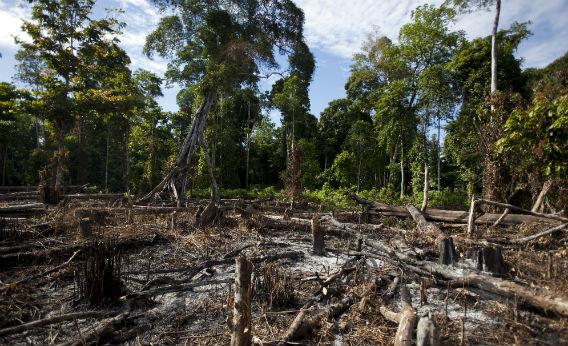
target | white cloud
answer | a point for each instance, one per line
(341, 27)
(11, 16)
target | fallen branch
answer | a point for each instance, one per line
(538, 235)
(56, 319)
(86, 337)
(37, 276)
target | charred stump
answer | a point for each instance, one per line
(241, 326)
(448, 254)
(318, 235)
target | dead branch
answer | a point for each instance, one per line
(40, 275)
(86, 337)
(538, 235)
(56, 319)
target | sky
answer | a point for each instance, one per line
(334, 30)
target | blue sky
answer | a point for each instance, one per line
(334, 29)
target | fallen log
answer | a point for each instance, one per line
(442, 215)
(40, 275)
(55, 319)
(308, 320)
(87, 337)
(534, 297)
(23, 209)
(406, 319)
(19, 195)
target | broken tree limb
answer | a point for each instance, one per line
(92, 335)
(538, 235)
(539, 203)
(40, 275)
(308, 320)
(407, 320)
(242, 329)
(55, 319)
(500, 219)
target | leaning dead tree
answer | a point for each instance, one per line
(222, 62)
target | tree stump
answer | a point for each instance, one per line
(489, 259)
(241, 326)
(318, 235)
(427, 333)
(85, 227)
(448, 254)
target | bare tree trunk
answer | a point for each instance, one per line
(249, 130)
(439, 159)
(4, 165)
(401, 170)
(214, 187)
(426, 187)
(127, 158)
(106, 159)
(359, 171)
(178, 173)
(153, 154)
(494, 47)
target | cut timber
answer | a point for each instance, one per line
(242, 334)
(427, 333)
(442, 215)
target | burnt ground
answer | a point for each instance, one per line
(174, 281)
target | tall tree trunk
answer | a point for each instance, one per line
(426, 187)
(359, 171)
(215, 197)
(494, 47)
(59, 163)
(178, 173)
(127, 158)
(153, 154)
(249, 130)
(106, 159)
(4, 160)
(439, 159)
(402, 182)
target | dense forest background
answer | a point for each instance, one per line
(418, 111)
